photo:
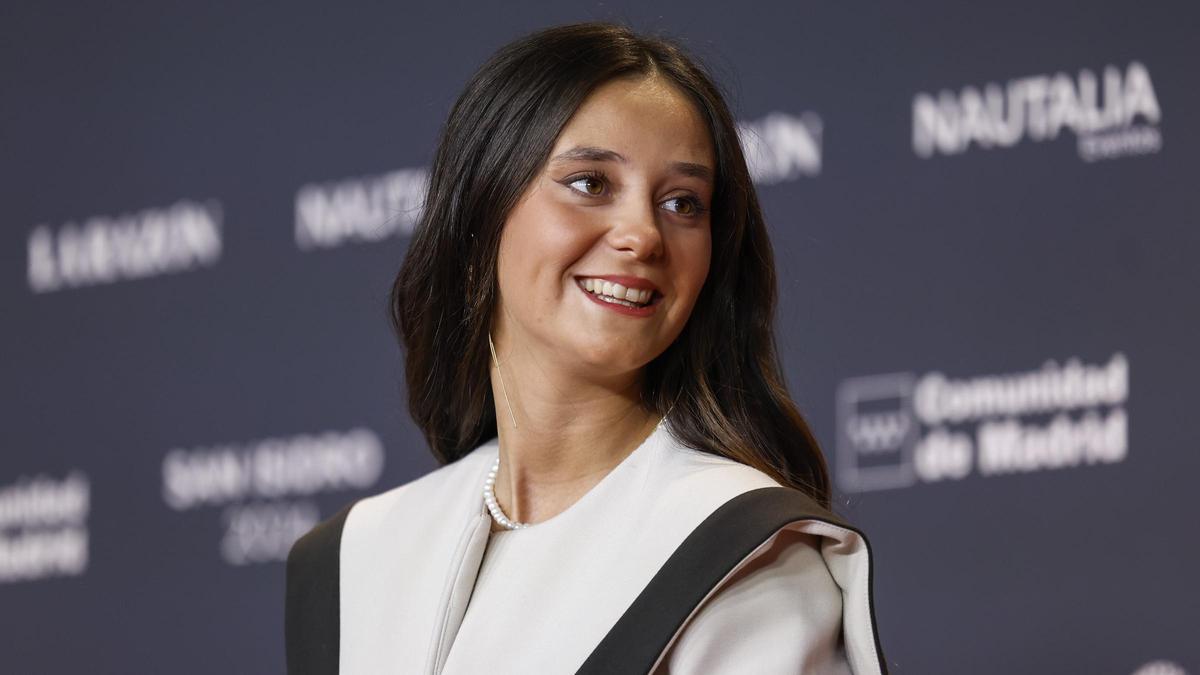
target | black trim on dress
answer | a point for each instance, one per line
(636, 640)
(312, 620)
(710, 552)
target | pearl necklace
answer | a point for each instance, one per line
(489, 498)
(489, 491)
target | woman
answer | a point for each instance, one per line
(587, 309)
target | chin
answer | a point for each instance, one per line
(610, 359)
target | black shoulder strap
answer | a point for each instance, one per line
(311, 607)
(708, 554)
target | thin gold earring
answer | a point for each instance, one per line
(503, 388)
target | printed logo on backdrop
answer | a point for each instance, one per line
(366, 209)
(782, 147)
(264, 489)
(43, 527)
(779, 147)
(903, 429)
(108, 249)
(1114, 113)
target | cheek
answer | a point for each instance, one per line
(694, 256)
(540, 241)
(565, 236)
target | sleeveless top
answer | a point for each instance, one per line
(676, 561)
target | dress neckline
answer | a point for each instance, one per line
(580, 504)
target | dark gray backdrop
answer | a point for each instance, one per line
(188, 380)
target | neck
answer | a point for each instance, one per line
(570, 432)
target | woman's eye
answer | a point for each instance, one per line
(686, 206)
(591, 185)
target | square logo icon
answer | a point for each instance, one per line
(876, 432)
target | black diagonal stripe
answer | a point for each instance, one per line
(708, 554)
(312, 602)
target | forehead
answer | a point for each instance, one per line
(643, 118)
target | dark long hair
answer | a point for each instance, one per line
(721, 375)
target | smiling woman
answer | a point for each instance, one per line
(587, 309)
(619, 206)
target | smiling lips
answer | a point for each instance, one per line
(628, 295)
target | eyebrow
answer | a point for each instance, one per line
(593, 153)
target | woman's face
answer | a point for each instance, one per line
(621, 204)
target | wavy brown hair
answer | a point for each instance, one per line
(721, 379)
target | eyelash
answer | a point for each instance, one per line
(603, 177)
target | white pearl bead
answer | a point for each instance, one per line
(489, 498)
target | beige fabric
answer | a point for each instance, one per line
(426, 588)
(779, 611)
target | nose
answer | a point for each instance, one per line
(636, 230)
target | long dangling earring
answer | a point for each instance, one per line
(503, 388)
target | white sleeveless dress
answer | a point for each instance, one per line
(425, 587)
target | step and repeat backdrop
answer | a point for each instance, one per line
(987, 225)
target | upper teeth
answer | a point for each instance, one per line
(602, 287)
